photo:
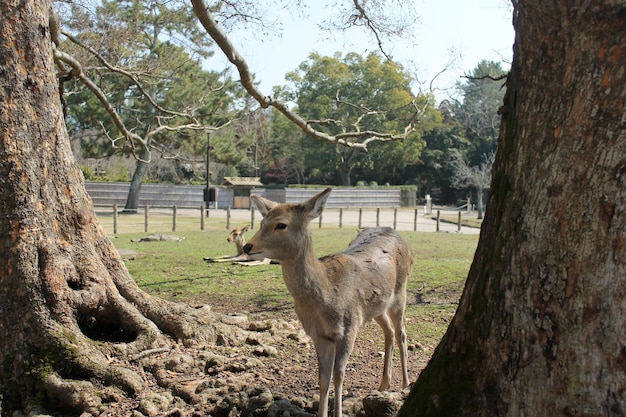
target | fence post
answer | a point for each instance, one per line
(228, 217)
(202, 217)
(395, 217)
(360, 216)
(415, 221)
(320, 224)
(114, 219)
(252, 218)
(377, 217)
(173, 218)
(438, 215)
(459, 222)
(340, 217)
(146, 217)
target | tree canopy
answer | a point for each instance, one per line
(364, 94)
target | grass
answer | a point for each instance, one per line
(176, 271)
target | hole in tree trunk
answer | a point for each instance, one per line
(106, 326)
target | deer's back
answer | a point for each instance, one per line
(378, 260)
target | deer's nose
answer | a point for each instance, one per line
(247, 248)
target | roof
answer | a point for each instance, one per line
(243, 181)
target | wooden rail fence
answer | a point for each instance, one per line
(157, 219)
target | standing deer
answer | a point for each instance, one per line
(336, 294)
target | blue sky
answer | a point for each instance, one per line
(464, 31)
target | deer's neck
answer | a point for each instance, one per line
(303, 273)
(240, 245)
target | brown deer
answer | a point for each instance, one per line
(237, 237)
(336, 294)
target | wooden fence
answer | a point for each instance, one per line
(151, 220)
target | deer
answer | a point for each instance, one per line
(237, 237)
(336, 294)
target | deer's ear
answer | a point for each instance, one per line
(245, 229)
(264, 205)
(315, 205)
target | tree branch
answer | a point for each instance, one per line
(128, 74)
(345, 139)
(77, 72)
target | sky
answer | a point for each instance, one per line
(453, 33)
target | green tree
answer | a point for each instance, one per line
(434, 171)
(284, 160)
(481, 94)
(366, 94)
(139, 57)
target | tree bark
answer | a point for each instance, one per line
(141, 167)
(540, 327)
(67, 301)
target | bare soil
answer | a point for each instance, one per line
(276, 361)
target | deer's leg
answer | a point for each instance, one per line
(344, 348)
(325, 350)
(384, 322)
(397, 317)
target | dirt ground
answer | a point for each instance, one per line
(283, 367)
(292, 372)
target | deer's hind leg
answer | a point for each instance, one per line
(397, 317)
(385, 323)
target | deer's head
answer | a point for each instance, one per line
(284, 229)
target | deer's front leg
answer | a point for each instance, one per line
(344, 348)
(325, 350)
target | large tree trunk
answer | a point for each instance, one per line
(540, 329)
(67, 302)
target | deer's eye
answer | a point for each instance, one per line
(280, 226)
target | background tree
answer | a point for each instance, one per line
(540, 326)
(434, 173)
(470, 128)
(481, 97)
(283, 161)
(351, 92)
(477, 177)
(144, 58)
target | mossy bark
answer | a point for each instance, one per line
(67, 302)
(540, 326)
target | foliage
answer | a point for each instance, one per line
(470, 129)
(483, 94)
(362, 93)
(146, 59)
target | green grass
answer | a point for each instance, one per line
(176, 271)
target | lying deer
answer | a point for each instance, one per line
(336, 294)
(237, 237)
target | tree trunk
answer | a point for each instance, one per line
(67, 302)
(141, 167)
(540, 327)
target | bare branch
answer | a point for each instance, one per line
(77, 72)
(345, 139)
(128, 74)
(371, 25)
(464, 175)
